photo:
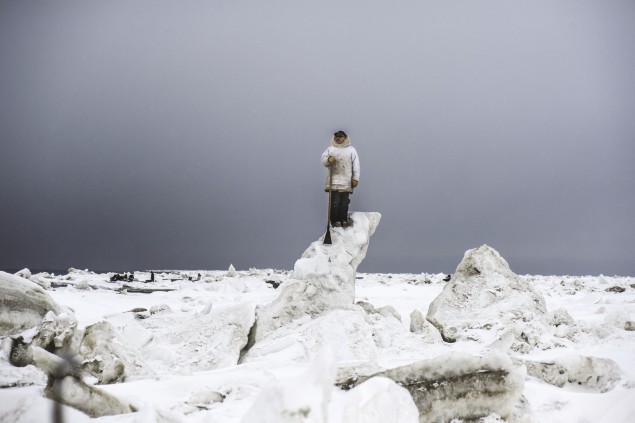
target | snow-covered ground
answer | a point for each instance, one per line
(178, 392)
(319, 344)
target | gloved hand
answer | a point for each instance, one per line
(354, 183)
(331, 160)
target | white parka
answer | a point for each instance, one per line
(346, 166)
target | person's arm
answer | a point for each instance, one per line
(356, 167)
(325, 158)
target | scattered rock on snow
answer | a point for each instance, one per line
(274, 284)
(142, 314)
(630, 326)
(160, 308)
(617, 289)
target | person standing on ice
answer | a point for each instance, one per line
(343, 162)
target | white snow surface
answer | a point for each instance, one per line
(185, 341)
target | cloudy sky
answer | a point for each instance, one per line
(161, 134)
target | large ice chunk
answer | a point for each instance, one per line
(486, 301)
(593, 373)
(23, 304)
(56, 333)
(323, 279)
(171, 341)
(458, 385)
(105, 357)
(65, 386)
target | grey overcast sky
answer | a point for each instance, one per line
(187, 134)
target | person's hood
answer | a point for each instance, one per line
(346, 143)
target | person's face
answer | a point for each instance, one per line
(339, 140)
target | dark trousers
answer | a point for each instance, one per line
(339, 206)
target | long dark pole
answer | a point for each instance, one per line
(327, 236)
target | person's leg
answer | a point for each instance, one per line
(335, 207)
(343, 208)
